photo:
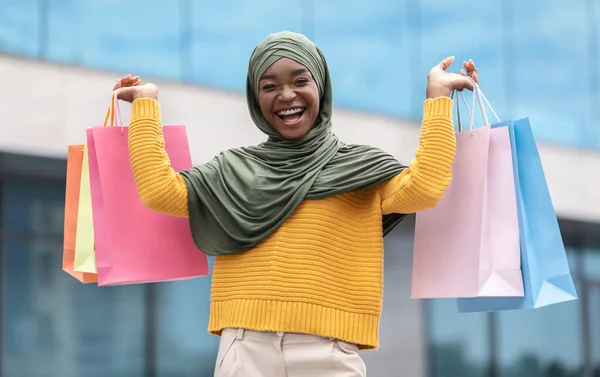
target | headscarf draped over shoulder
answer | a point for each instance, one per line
(244, 194)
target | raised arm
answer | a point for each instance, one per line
(423, 184)
(159, 186)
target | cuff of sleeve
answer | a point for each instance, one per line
(145, 108)
(438, 107)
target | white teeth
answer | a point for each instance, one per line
(290, 111)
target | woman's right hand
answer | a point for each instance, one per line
(131, 88)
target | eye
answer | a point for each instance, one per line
(268, 87)
(302, 80)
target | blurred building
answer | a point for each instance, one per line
(60, 58)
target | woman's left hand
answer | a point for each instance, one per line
(441, 83)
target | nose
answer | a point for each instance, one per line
(287, 94)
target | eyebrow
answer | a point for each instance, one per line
(294, 73)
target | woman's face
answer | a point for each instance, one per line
(289, 98)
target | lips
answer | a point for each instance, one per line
(291, 115)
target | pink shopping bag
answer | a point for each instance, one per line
(101, 240)
(468, 246)
(133, 243)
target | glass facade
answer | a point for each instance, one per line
(183, 347)
(535, 61)
(557, 341)
(52, 325)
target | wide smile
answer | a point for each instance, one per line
(291, 116)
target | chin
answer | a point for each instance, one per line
(294, 134)
(292, 131)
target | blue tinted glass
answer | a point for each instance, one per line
(224, 34)
(593, 132)
(594, 315)
(368, 49)
(591, 264)
(541, 342)
(184, 347)
(459, 343)
(574, 258)
(402, 341)
(470, 29)
(551, 85)
(67, 328)
(30, 209)
(20, 27)
(141, 38)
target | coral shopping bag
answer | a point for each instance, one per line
(468, 246)
(74, 164)
(133, 243)
(546, 274)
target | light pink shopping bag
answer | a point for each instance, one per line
(137, 245)
(468, 246)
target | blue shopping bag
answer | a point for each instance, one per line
(546, 275)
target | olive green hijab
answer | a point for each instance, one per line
(244, 194)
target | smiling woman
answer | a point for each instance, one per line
(289, 98)
(297, 222)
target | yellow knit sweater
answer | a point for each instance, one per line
(321, 272)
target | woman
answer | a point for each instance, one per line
(297, 222)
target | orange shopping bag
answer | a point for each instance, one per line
(74, 164)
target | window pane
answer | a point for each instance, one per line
(591, 263)
(594, 127)
(469, 29)
(367, 48)
(547, 89)
(29, 209)
(459, 343)
(20, 27)
(184, 347)
(594, 315)
(402, 342)
(67, 328)
(141, 38)
(544, 342)
(225, 33)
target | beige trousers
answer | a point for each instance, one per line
(245, 353)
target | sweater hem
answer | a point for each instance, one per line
(361, 329)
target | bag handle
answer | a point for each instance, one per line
(462, 97)
(114, 112)
(477, 93)
(480, 99)
(482, 96)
